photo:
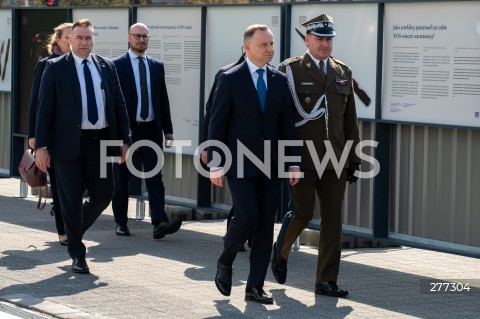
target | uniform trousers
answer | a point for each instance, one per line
(330, 190)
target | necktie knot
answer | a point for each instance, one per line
(261, 89)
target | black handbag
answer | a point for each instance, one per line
(32, 175)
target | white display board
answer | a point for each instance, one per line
(432, 63)
(225, 28)
(176, 40)
(6, 50)
(110, 29)
(355, 44)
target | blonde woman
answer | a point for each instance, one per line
(57, 46)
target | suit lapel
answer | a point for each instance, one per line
(104, 73)
(72, 74)
(271, 87)
(156, 92)
(131, 78)
(154, 87)
(247, 79)
(151, 67)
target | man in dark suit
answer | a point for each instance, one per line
(317, 78)
(251, 106)
(142, 79)
(80, 104)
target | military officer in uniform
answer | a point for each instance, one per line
(322, 91)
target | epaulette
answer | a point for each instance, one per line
(290, 60)
(338, 61)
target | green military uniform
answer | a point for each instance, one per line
(341, 126)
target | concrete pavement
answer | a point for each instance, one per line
(139, 277)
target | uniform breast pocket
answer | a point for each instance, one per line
(343, 89)
(344, 93)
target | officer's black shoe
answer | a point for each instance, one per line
(329, 288)
(279, 266)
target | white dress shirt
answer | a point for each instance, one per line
(253, 72)
(99, 93)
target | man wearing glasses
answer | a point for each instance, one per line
(142, 79)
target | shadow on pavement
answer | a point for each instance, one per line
(377, 287)
(286, 308)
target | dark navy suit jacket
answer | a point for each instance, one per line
(236, 115)
(160, 102)
(60, 107)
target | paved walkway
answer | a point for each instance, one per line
(138, 277)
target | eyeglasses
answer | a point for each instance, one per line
(140, 36)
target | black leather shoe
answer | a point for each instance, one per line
(122, 230)
(223, 279)
(166, 228)
(279, 266)
(257, 295)
(173, 226)
(79, 266)
(329, 288)
(159, 230)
